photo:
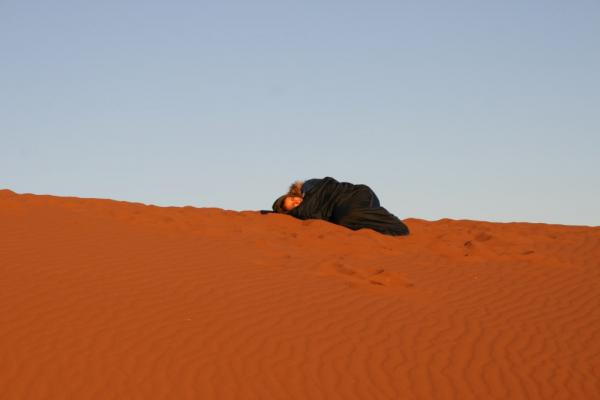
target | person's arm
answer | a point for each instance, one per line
(317, 194)
(309, 185)
(308, 209)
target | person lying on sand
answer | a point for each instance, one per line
(343, 203)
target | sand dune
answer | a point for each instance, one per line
(101, 299)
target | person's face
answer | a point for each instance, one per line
(291, 202)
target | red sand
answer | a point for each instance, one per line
(101, 299)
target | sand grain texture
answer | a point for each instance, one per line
(101, 299)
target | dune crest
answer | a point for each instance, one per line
(109, 299)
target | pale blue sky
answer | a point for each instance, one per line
(483, 110)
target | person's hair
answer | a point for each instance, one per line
(295, 190)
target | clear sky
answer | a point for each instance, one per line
(484, 110)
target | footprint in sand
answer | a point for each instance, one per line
(364, 275)
(389, 279)
(483, 237)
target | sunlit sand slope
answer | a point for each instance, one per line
(101, 299)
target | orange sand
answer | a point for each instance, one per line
(101, 299)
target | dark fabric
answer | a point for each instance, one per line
(343, 203)
(310, 185)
